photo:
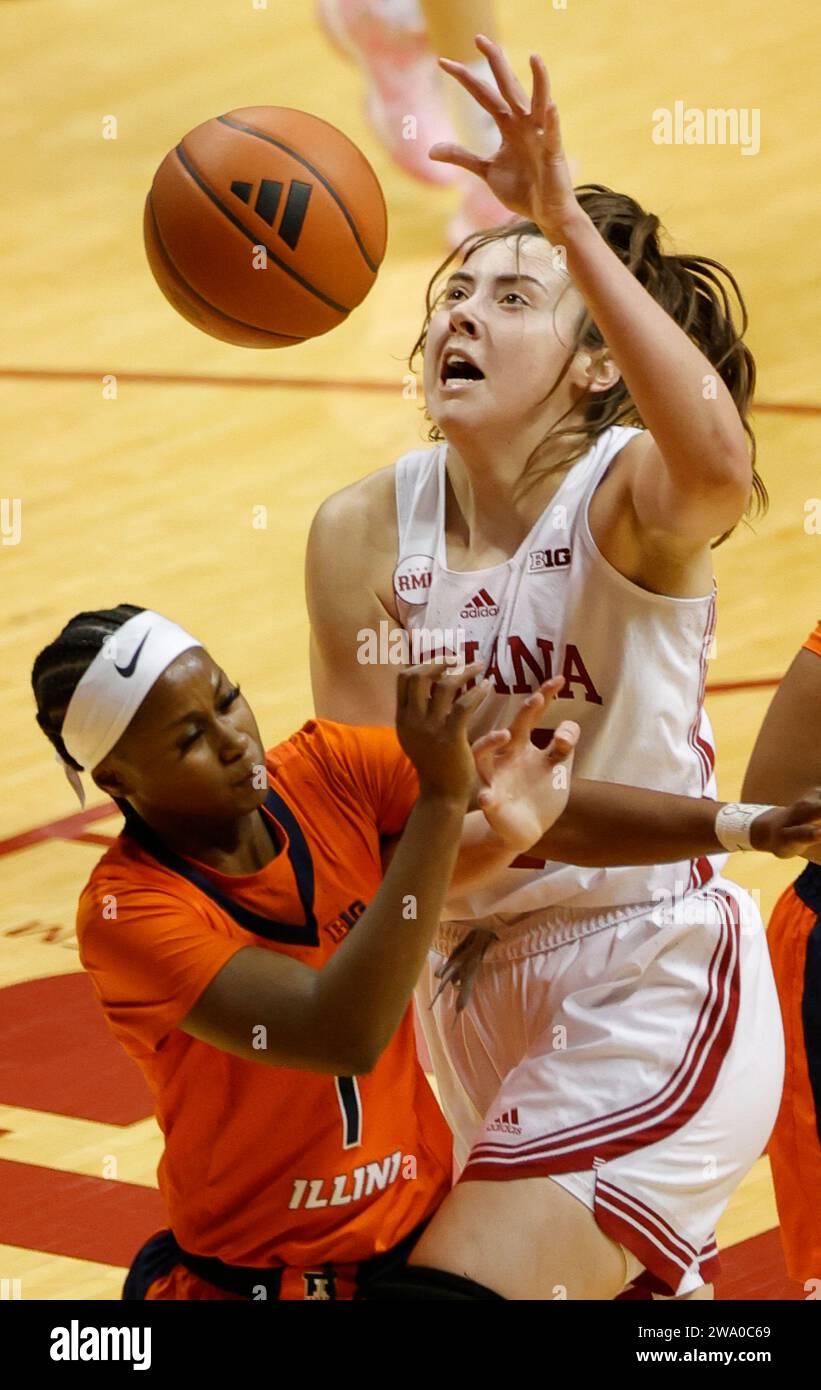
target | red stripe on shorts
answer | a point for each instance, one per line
(664, 1252)
(600, 1140)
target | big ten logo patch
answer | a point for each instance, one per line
(412, 578)
(557, 558)
(340, 926)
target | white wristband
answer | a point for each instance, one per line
(733, 824)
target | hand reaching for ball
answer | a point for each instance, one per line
(526, 788)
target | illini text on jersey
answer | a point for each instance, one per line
(343, 1188)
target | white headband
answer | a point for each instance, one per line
(108, 696)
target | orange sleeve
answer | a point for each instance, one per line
(383, 777)
(151, 962)
(813, 642)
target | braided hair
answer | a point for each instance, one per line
(61, 665)
(691, 289)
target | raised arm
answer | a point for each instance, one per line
(690, 476)
(529, 805)
(607, 825)
(786, 759)
(340, 1018)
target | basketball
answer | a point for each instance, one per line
(265, 226)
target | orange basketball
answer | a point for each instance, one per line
(265, 226)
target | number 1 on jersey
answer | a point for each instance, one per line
(350, 1103)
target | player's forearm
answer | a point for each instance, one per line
(703, 442)
(606, 825)
(367, 985)
(482, 853)
(786, 761)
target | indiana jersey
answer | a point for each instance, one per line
(264, 1165)
(634, 664)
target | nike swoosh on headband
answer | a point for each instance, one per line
(129, 670)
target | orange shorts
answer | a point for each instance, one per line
(182, 1283)
(794, 936)
(160, 1271)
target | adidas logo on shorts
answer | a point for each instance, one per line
(508, 1123)
(480, 606)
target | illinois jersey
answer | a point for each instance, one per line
(794, 935)
(266, 1166)
(634, 664)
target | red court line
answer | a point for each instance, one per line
(755, 1269)
(304, 383)
(67, 828)
(722, 687)
(292, 383)
(751, 1269)
(58, 1056)
(70, 1214)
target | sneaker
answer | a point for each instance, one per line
(404, 81)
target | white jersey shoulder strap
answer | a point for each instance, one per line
(420, 488)
(419, 498)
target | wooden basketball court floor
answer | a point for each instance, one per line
(150, 497)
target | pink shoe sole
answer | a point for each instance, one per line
(480, 210)
(330, 18)
(403, 86)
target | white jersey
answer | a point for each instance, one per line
(634, 664)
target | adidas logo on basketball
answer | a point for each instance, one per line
(508, 1123)
(480, 606)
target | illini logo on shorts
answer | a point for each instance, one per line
(319, 1287)
(412, 578)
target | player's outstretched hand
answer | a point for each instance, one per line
(529, 172)
(526, 788)
(431, 724)
(786, 831)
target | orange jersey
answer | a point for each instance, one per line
(270, 1166)
(794, 935)
(813, 642)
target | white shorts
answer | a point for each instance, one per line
(635, 1056)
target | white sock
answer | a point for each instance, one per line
(476, 126)
(400, 14)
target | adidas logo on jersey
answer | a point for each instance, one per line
(480, 606)
(508, 1123)
(556, 559)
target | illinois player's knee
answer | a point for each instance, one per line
(418, 1281)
